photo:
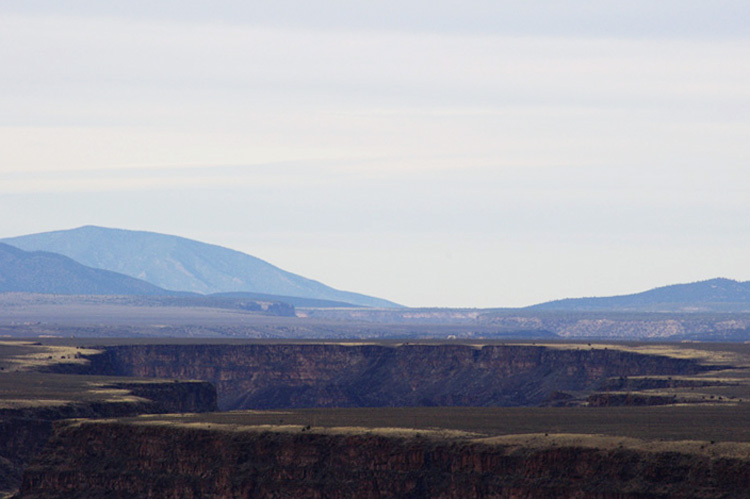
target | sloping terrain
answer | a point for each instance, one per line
(295, 301)
(714, 295)
(181, 264)
(44, 272)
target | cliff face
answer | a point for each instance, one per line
(24, 430)
(263, 376)
(184, 462)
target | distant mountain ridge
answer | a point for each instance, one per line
(713, 295)
(180, 264)
(44, 272)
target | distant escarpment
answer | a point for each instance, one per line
(191, 462)
(265, 376)
(699, 325)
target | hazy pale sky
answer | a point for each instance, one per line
(435, 153)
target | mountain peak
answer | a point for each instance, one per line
(180, 264)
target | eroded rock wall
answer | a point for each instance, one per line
(25, 430)
(172, 461)
(263, 376)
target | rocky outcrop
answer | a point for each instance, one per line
(263, 376)
(189, 462)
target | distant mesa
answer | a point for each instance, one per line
(179, 264)
(714, 295)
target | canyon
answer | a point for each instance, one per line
(408, 418)
(278, 375)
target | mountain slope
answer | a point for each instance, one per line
(295, 301)
(43, 272)
(714, 295)
(177, 263)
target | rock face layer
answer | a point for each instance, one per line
(266, 376)
(25, 430)
(185, 462)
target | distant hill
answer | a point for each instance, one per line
(714, 295)
(43, 272)
(180, 264)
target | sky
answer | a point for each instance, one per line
(434, 153)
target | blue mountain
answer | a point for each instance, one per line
(714, 295)
(44, 272)
(180, 264)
